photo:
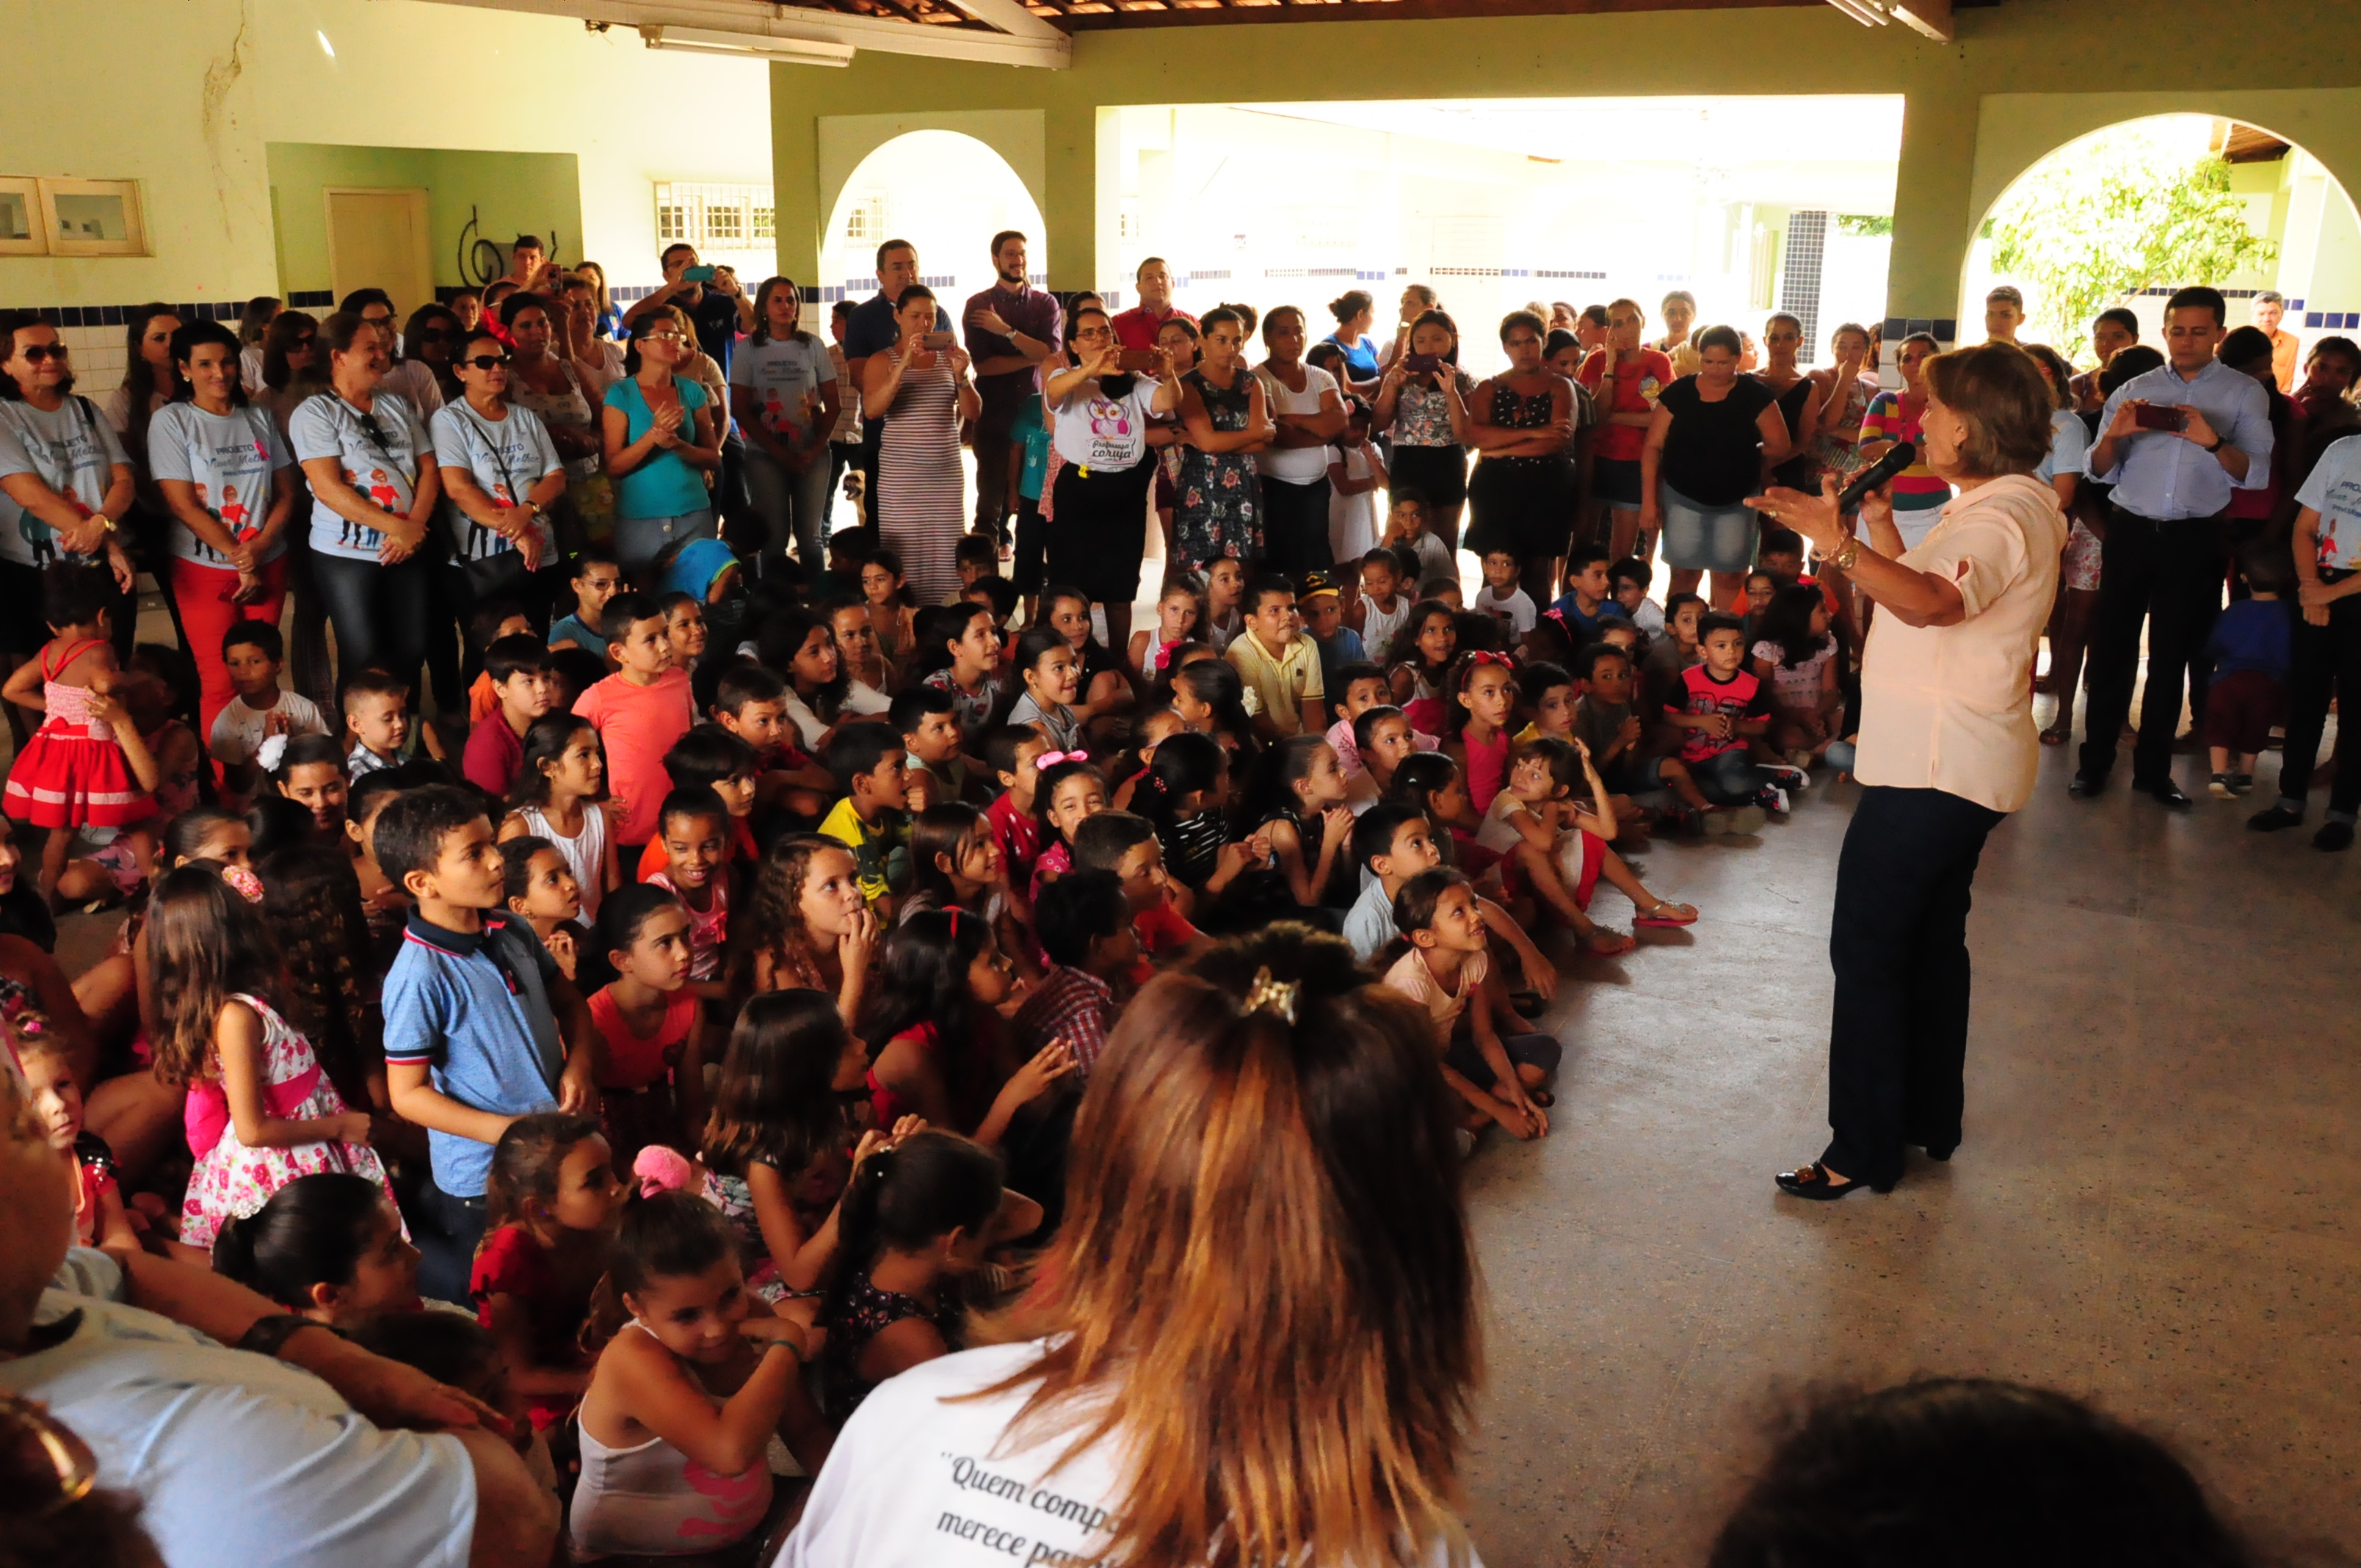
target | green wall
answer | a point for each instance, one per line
(2039, 59)
(508, 193)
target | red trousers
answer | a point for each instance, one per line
(203, 595)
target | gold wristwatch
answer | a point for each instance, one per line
(1843, 560)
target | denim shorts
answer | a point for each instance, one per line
(1704, 538)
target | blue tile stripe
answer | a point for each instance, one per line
(2334, 321)
(113, 315)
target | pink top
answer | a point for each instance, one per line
(1950, 707)
(637, 725)
(633, 1061)
(1488, 769)
(709, 928)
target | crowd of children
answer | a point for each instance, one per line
(726, 983)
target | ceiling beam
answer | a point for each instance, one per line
(1932, 18)
(757, 22)
(1011, 17)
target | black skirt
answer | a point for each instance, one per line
(1098, 540)
(1439, 474)
(1522, 505)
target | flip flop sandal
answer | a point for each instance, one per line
(1656, 915)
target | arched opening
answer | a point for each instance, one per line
(944, 192)
(2123, 214)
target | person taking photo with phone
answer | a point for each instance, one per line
(1100, 408)
(2175, 444)
(1413, 408)
(921, 385)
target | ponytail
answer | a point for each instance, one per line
(665, 1233)
(313, 1232)
(905, 1195)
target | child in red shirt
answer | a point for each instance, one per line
(639, 711)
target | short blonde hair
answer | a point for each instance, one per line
(1998, 391)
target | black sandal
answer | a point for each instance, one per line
(1812, 1181)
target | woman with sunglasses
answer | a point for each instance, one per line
(783, 392)
(65, 483)
(375, 487)
(658, 428)
(501, 475)
(422, 376)
(549, 374)
(226, 472)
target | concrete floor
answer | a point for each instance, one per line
(2153, 1207)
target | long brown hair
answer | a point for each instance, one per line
(1262, 1290)
(312, 905)
(774, 921)
(140, 382)
(205, 942)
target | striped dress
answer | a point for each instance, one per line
(921, 488)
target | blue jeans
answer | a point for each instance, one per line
(383, 615)
(640, 540)
(1728, 778)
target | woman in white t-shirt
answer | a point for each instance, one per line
(64, 481)
(375, 488)
(1099, 415)
(783, 395)
(1277, 1267)
(1310, 413)
(501, 475)
(228, 477)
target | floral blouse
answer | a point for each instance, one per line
(1422, 414)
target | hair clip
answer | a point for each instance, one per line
(1479, 657)
(268, 755)
(244, 881)
(1278, 996)
(661, 1169)
(1052, 758)
(954, 912)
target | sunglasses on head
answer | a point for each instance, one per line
(485, 361)
(35, 353)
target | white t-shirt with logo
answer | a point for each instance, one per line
(924, 1478)
(230, 460)
(2333, 491)
(782, 373)
(507, 456)
(1295, 465)
(381, 463)
(72, 450)
(1093, 429)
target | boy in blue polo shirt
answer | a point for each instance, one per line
(480, 1024)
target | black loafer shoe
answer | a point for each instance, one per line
(2334, 836)
(2166, 792)
(2273, 820)
(1812, 1181)
(1939, 1151)
(2085, 786)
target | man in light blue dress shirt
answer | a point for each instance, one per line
(2174, 444)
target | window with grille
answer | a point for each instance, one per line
(726, 217)
(864, 220)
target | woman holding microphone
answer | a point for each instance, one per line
(1948, 749)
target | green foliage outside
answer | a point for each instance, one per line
(2115, 214)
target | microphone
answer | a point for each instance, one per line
(1901, 457)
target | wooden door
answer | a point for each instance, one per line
(377, 239)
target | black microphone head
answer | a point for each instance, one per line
(1902, 455)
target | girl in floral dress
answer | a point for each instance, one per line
(1219, 503)
(260, 1112)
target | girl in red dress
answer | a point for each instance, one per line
(86, 767)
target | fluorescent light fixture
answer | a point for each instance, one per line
(1868, 12)
(747, 46)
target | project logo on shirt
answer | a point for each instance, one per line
(1111, 433)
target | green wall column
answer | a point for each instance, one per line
(1933, 181)
(794, 173)
(1079, 150)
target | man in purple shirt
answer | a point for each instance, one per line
(1012, 327)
